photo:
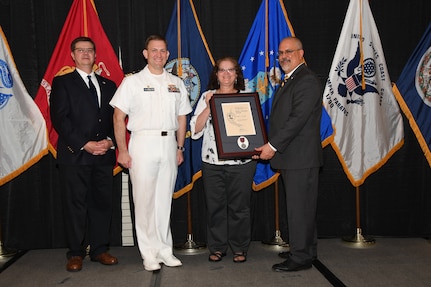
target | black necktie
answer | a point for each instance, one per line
(92, 89)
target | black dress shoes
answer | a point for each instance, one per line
(286, 255)
(289, 265)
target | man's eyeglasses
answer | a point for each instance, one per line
(287, 52)
(85, 50)
(230, 71)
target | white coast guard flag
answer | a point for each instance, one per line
(23, 139)
(358, 97)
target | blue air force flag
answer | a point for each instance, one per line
(359, 100)
(413, 92)
(24, 138)
(260, 67)
(262, 73)
(191, 60)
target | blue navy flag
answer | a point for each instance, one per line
(262, 72)
(191, 60)
(413, 92)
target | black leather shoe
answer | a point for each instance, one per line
(289, 266)
(286, 255)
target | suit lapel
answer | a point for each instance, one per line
(80, 82)
(278, 94)
(287, 83)
(280, 91)
(102, 85)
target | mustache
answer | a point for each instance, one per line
(284, 61)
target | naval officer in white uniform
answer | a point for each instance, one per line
(156, 104)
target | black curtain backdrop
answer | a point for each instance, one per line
(395, 200)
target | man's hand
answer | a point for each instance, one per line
(265, 152)
(99, 147)
(124, 159)
(180, 157)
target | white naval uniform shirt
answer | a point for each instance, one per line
(152, 102)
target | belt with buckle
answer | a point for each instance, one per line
(155, 133)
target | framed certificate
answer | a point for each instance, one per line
(238, 124)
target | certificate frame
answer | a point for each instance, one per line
(238, 124)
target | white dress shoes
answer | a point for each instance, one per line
(151, 265)
(170, 261)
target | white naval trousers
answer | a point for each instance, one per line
(153, 174)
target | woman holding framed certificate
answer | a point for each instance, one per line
(227, 182)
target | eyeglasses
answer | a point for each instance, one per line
(287, 52)
(85, 50)
(230, 71)
(163, 51)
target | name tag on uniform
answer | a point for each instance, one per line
(148, 89)
(173, 89)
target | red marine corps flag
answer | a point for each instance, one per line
(82, 20)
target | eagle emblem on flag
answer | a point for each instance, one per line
(352, 77)
(6, 83)
(423, 78)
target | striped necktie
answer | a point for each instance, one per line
(286, 77)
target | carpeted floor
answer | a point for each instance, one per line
(394, 262)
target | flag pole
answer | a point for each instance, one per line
(180, 68)
(277, 241)
(190, 247)
(358, 240)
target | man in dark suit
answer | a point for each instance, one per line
(82, 117)
(295, 149)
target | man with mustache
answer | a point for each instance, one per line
(294, 148)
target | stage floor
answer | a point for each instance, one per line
(389, 262)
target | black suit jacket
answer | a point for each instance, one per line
(77, 118)
(294, 124)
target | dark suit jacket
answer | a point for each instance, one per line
(294, 124)
(77, 119)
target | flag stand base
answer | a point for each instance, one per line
(4, 252)
(358, 240)
(190, 247)
(277, 242)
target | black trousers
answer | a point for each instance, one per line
(301, 187)
(227, 190)
(87, 203)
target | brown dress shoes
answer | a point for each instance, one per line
(105, 258)
(74, 264)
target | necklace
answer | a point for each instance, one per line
(231, 91)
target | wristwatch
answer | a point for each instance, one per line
(181, 148)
